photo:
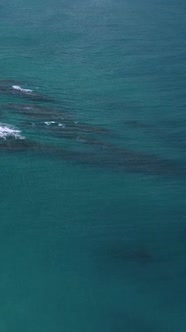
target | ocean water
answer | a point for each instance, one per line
(93, 166)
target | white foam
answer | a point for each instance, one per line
(48, 123)
(61, 125)
(17, 87)
(7, 131)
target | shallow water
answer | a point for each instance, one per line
(92, 213)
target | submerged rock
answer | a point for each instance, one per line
(107, 156)
(35, 112)
(52, 122)
(17, 90)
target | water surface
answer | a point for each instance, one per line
(93, 219)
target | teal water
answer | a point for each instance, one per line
(93, 218)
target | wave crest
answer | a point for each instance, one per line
(7, 131)
(17, 87)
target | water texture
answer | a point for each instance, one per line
(93, 166)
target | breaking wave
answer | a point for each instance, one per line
(49, 123)
(17, 87)
(7, 131)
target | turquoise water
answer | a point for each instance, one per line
(93, 214)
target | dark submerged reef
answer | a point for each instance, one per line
(58, 123)
(11, 87)
(121, 254)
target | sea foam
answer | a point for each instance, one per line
(49, 123)
(7, 131)
(17, 87)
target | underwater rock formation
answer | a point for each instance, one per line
(35, 112)
(53, 122)
(109, 156)
(51, 116)
(88, 146)
(16, 90)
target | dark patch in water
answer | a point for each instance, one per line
(99, 153)
(109, 157)
(8, 88)
(37, 112)
(121, 253)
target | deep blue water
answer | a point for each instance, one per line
(92, 182)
